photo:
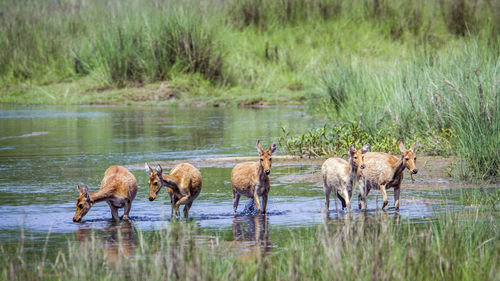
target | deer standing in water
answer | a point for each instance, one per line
(341, 175)
(118, 189)
(183, 185)
(384, 171)
(251, 179)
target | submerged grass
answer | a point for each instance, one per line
(455, 246)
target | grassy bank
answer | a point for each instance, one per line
(450, 104)
(214, 52)
(456, 246)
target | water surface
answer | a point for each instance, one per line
(46, 151)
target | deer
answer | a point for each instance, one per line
(183, 185)
(384, 171)
(341, 175)
(251, 179)
(118, 189)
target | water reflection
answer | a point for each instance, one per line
(118, 240)
(253, 233)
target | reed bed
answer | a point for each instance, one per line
(455, 246)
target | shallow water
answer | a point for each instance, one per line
(46, 151)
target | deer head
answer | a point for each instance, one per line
(155, 181)
(357, 157)
(265, 157)
(408, 157)
(83, 203)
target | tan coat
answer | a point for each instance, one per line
(118, 189)
(183, 185)
(384, 171)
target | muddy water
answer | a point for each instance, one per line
(46, 151)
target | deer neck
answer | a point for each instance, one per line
(170, 182)
(100, 195)
(398, 169)
(353, 174)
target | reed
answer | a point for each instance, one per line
(455, 246)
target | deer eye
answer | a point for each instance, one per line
(355, 157)
(415, 159)
(270, 159)
(155, 183)
(261, 159)
(80, 206)
(407, 158)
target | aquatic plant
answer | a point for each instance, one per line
(335, 140)
(455, 246)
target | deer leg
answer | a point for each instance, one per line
(186, 209)
(178, 203)
(346, 198)
(362, 196)
(126, 209)
(341, 200)
(256, 200)
(264, 202)
(173, 201)
(114, 211)
(384, 195)
(396, 198)
(236, 200)
(328, 190)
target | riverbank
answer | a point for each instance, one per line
(83, 91)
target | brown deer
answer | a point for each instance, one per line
(183, 185)
(341, 175)
(118, 189)
(251, 179)
(384, 171)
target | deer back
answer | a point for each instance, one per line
(118, 181)
(187, 176)
(380, 168)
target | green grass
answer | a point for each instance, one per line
(335, 141)
(455, 246)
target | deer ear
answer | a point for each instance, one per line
(414, 147)
(86, 193)
(259, 147)
(351, 150)
(401, 146)
(273, 147)
(159, 170)
(79, 189)
(365, 148)
(148, 169)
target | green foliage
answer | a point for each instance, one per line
(456, 96)
(119, 43)
(486, 197)
(335, 140)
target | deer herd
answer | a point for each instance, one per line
(369, 170)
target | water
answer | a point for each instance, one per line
(46, 151)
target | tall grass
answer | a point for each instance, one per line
(46, 41)
(456, 246)
(118, 42)
(457, 94)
